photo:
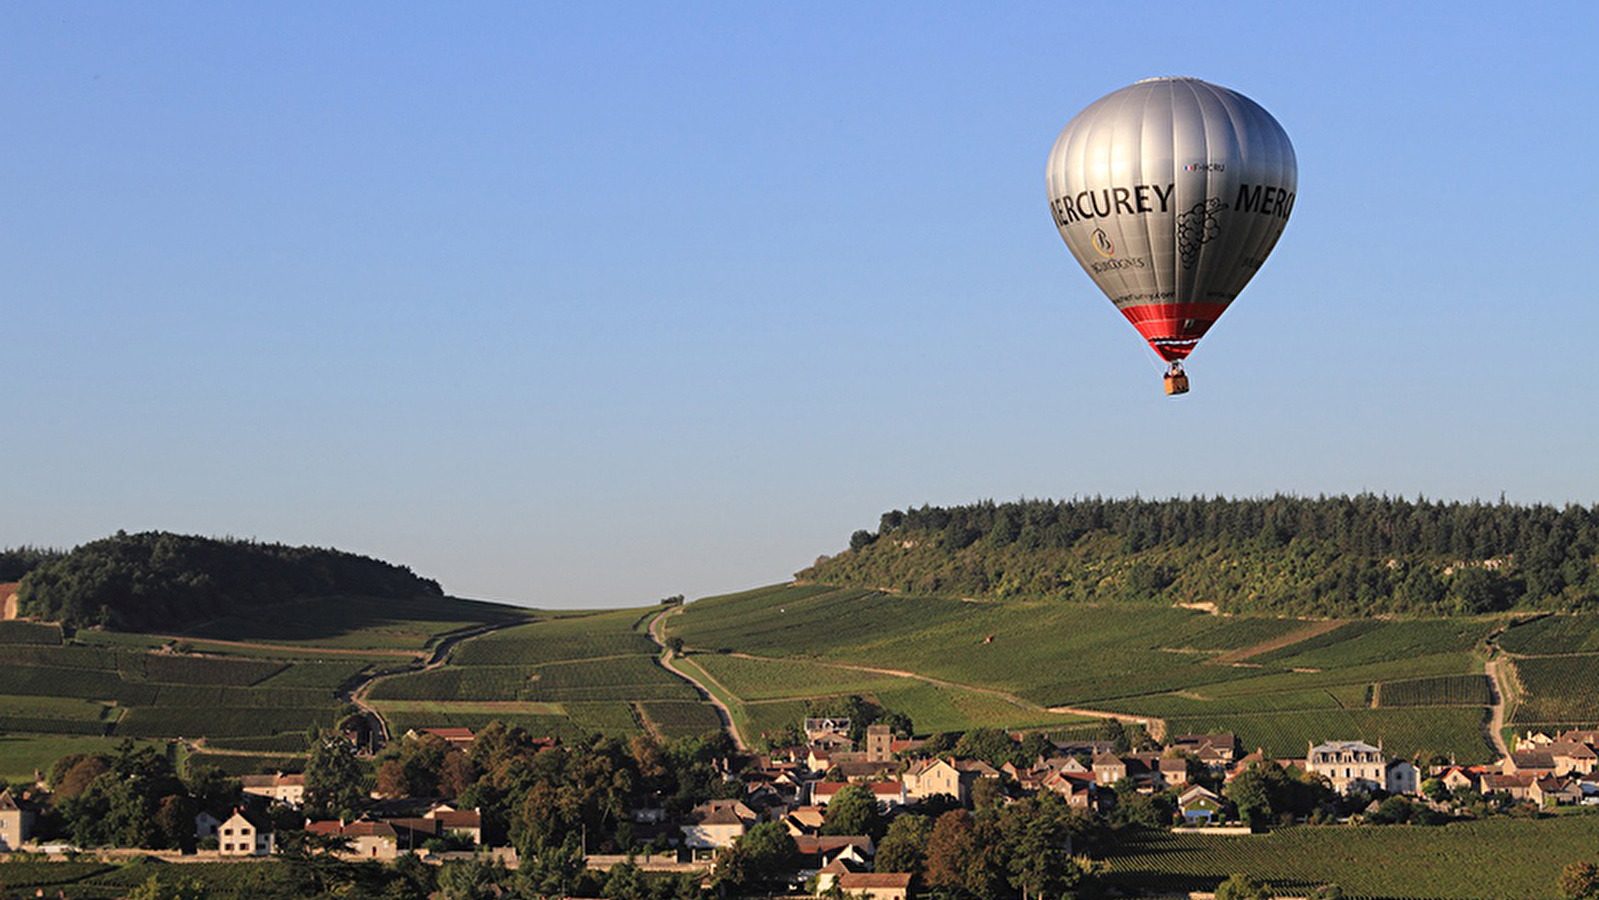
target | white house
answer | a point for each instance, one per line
(245, 834)
(1350, 766)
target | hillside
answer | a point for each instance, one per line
(157, 581)
(1331, 556)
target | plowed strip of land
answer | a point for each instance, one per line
(1311, 630)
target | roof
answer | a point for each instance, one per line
(256, 820)
(812, 844)
(1345, 747)
(859, 880)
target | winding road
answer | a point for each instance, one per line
(665, 661)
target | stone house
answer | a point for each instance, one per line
(286, 789)
(1401, 777)
(876, 885)
(1350, 766)
(717, 824)
(245, 834)
(927, 778)
(16, 822)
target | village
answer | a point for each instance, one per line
(1194, 782)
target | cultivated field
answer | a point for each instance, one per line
(1415, 685)
(1486, 860)
(248, 688)
(567, 676)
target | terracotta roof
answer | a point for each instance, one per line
(812, 844)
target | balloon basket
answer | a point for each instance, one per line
(1176, 383)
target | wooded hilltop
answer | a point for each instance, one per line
(155, 580)
(1338, 556)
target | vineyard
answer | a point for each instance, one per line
(1277, 682)
(1494, 859)
(568, 675)
(241, 696)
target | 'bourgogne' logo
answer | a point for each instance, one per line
(1103, 244)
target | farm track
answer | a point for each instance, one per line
(357, 692)
(664, 660)
(1155, 726)
(1313, 630)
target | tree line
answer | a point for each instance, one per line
(1362, 555)
(156, 580)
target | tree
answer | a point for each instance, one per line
(333, 776)
(904, 847)
(472, 879)
(1580, 881)
(763, 857)
(1241, 887)
(1251, 793)
(853, 810)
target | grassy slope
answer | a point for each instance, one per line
(1491, 859)
(1248, 674)
(257, 682)
(580, 673)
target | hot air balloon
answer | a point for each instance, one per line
(1171, 192)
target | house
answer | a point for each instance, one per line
(206, 825)
(372, 840)
(928, 778)
(817, 851)
(1199, 806)
(1554, 791)
(1572, 757)
(1517, 787)
(1077, 788)
(286, 789)
(462, 823)
(804, 820)
(1456, 778)
(1401, 777)
(1350, 766)
(1219, 747)
(888, 793)
(1536, 763)
(245, 834)
(819, 727)
(1109, 769)
(717, 824)
(1173, 771)
(826, 875)
(459, 738)
(16, 822)
(876, 885)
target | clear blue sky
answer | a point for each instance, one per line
(587, 304)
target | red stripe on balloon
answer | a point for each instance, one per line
(1173, 329)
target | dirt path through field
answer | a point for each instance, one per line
(664, 660)
(356, 693)
(1496, 716)
(1156, 727)
(1311, 630)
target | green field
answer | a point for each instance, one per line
(566, 675)
(1494, 859)
(1275, 681)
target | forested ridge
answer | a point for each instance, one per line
(157, 580)
(1326, 556)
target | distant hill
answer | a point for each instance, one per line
(1329, 556)
(155, 581)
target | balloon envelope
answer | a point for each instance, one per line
(1171, 192)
